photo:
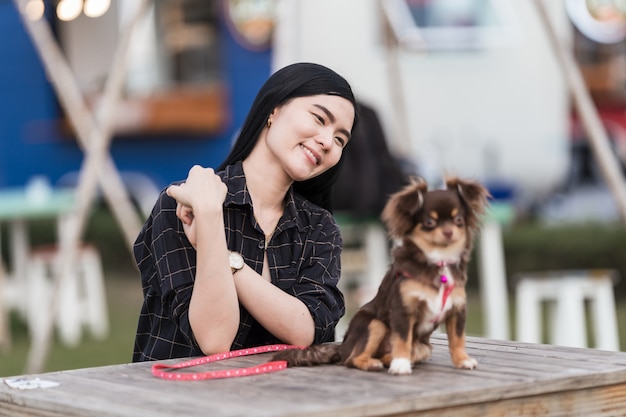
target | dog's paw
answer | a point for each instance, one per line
(400, 366)
(467, 363)
(368, 364)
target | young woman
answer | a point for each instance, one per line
(249, 255)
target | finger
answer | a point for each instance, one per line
(179, 212)
(186, 214)
(172, 190)
(178, 193)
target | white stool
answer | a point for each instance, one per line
(567, 319)
(82, 296)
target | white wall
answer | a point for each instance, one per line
(90, 46)
(498, 113)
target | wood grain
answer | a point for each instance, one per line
(512, 379)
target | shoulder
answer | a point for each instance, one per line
(235, 180)
(164, 202)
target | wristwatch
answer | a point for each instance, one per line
(236, 261)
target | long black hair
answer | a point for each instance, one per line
(295, 80)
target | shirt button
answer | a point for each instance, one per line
(261, 244)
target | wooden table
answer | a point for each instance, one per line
(513, 379)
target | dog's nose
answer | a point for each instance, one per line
(447, 233)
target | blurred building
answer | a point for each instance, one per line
(469, 87)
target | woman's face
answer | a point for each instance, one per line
(308, 134)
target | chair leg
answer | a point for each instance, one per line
(570, 325)
(604, 316)
(96, 311)
(528, 320)
(377, 252)
(38, 296)
(69, 322)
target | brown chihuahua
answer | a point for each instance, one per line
(433, 233)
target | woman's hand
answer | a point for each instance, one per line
(203, 190)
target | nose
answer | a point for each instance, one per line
(447, 232)
(325, 139)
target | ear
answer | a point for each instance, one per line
(401, 208)
(475, 197)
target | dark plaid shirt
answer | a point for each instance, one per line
(303, 255)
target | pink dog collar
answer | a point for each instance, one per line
(161, 370)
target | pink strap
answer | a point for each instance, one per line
(161, 370)
(448, 288)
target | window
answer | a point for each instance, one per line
(451, 24)
(173, 65)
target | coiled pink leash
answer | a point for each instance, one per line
(162, 371)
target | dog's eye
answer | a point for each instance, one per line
(459, 221)
(430, 223)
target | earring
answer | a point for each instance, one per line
(269, 122)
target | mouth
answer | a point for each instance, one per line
(312, 156)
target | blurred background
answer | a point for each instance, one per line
(468, 87)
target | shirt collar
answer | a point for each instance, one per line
(235, 179)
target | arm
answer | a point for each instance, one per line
(213, 307)
(281, 313)
(306, 303)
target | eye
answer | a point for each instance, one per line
(339, 140)
(430, 223)
(319, 119)
(459, 221)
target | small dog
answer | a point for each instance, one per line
(424, 286)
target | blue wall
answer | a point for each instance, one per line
(30, 140)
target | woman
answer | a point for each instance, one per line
(250, 255)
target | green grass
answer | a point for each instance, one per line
(124, 301)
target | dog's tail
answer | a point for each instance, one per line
(313, 355)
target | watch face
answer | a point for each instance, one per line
(236, 260)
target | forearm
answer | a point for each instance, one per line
(282, 314)
(214, 308)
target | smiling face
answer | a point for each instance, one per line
(308, 134)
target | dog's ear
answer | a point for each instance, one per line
(475, 197)
(401, 208)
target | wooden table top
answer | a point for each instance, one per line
(512, 379)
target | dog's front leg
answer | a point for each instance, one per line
(455, 327)
(401, 347)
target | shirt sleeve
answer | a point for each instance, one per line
(174, 263)
(318, 275)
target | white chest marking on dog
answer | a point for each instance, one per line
(439, 306)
